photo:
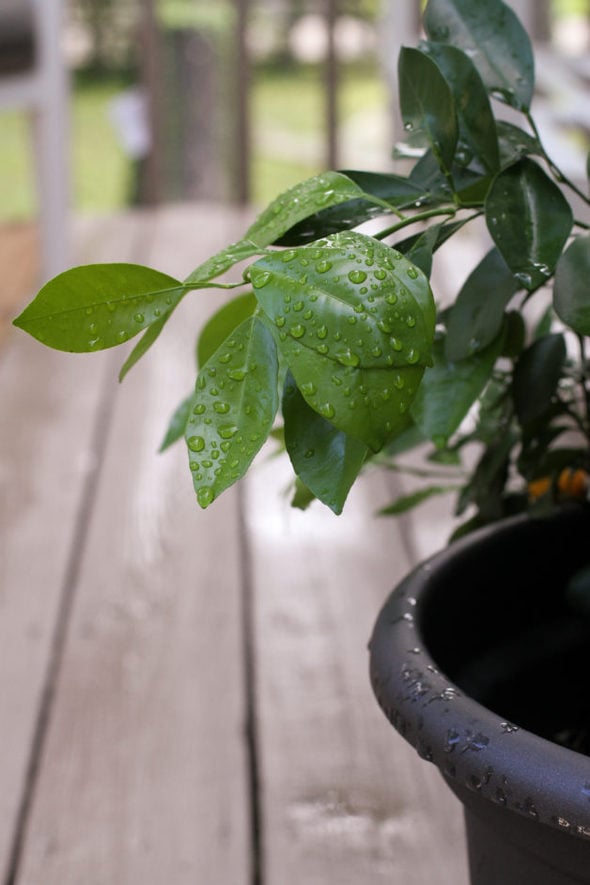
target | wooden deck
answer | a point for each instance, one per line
(183, 695)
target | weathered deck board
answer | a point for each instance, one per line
(344, 799)
(48, 455)
(143, 778)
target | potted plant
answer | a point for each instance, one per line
(335, 326)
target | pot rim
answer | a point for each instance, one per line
(474, 748)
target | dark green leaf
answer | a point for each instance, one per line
(235, 403)
(222, 324)
(427, 105)
(443, 232)
(407, 502)
(326, 459)
(406, 440)
(291, 207)
(178, 423)
(448, 391)
(571, 296)
(99, 305)
(536, 376)
(515, 142)
(302, 496)
(420, 252)
(489, 32)
(477, 315)
(144, 344)
(477, 127)
(529, 220)
(354, 320)
(514, 334)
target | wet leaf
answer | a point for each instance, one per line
(490, 33)
(234, 406)
(97, 306)
(536, 376)
(427, 105)
(477, 315)
(223, 322)
(570, 291)
(477, 126)
(529, 220)
(177, 423)
(326, 460)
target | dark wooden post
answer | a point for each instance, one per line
(150, 174)
(242, 130)
(331, 84)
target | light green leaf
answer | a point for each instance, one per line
(529, 220)
(489, 32)
(296, 204)
(143, 345)
(235, 402)
(222, 324)
(427, 105)
(477, 315)
(177, 423)
(99, 305)
(326, 460)
(448, 391)
(570, 292)
(477, 126)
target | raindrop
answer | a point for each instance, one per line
(199, 409)
(308, 389)
(289, 255)
(323, 266)
(309, 453)
(327, 410)
(196, 443)
(122, 336)
(139, 318)
(227, 431)
(205, 496)
(357, 276)
(280, 322)
(413, 273)
(323, 349)
(322, 332)
(261, 280)
(348, 358)
(297, 331)
(413, 356)
(298, 306)
(221, 408)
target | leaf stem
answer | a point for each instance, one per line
(420, 216)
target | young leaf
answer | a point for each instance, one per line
(296, 204)
(570, 291)
(477, 315)
(536, 376)
(477, 126)
(222, 323)
(427, 105)
(529, 220)
(99, 305)
(143, 345)
(234, 406)
(448, 391)
(489, 32)
(421, 251)
(177, 423)
(324, 458)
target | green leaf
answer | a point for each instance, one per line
(477, 126)
(529, 220)
(408, 502)
(515, 143)
(143, 345)
(326, 459)
(421, 251)
(427, 105)
(222, 324)
(354, 321)
(489, 32)
(235, 402)
(477, 315)
(570, 291)
(177, 423)
(449, 389)
(309, 196)
(99, 305)
(302, 496)
(536, 376)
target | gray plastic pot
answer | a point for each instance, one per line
(481, 662)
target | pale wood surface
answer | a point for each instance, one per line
(163, 630)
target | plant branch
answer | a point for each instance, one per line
(420, 216)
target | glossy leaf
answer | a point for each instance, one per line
(326, 460)
(427, 105)
(304, 199)
(489, 32)
(476, 317)
(477, 127)
(222, 324)
(570, 291)
(529, 220)
(421, 251)
(177, 423)
(515, 143)
(536, 376)
(99, 305)
(235, 402)
(448, 391)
